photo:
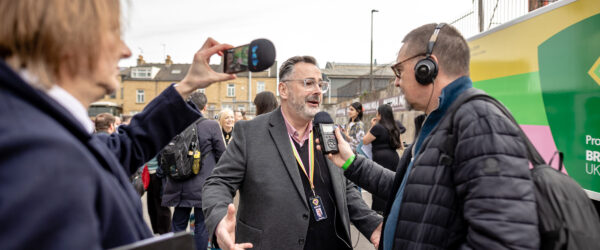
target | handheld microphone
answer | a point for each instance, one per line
(255, 57)
(325, 130)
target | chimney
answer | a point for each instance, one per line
(140, 60)
(168, 61)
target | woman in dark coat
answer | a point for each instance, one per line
(385, 136)
(56, 58)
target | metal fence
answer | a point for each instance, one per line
(487, 14)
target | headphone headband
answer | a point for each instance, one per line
(433, 38)
(426, 69)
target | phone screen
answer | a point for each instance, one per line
(236, 59)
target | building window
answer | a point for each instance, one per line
(212, 107)
(203, 91)
(226, 106)
(139, 96)
(241, 107)
(141, 73)
(260, 87)
(231, 89)
(122, 93)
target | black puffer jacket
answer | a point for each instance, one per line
(483, 200)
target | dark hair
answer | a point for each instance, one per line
(103, 121)
(287, 67)
(126, 119)
(265, 102)
(451, 48)
(358, 107)
(387, 121)
(199, 99)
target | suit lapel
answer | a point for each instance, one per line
(339, 191)
(281, 139)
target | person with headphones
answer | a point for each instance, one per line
(478, 196)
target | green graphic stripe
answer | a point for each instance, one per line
(521, 94)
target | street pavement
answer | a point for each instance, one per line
(359, 242)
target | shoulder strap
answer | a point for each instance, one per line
(473, 94)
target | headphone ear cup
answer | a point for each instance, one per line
(425, 71)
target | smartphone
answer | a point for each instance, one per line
(236, 59)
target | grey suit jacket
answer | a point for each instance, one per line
(273, 212)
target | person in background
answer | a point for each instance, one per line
(104, 123)
(385, 137)
(186, 195)
(62, 186)
(117, 122)
(126, 119)
(265, 102)
(355, 130)
(160, 216)
(226, 121)
(240, 115)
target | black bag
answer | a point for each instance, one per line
(138, 182)
(567, 218)
(181, 159)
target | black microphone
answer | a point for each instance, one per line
(262, 55)
(325, 130)
(256, 56)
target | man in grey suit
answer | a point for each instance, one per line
(291, 197)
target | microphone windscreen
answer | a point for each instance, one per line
(322, 117)
(261, 55)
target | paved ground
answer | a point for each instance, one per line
(359, 242)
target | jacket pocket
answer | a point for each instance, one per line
(245, 233)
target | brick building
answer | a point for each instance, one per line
(143, 82)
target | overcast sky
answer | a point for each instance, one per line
(330, 30)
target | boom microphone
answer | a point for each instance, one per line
(325, 130)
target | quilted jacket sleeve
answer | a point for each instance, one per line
(493, 181)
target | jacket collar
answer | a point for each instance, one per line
(447, 97)
(12, 82)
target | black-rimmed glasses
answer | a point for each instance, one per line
(395, 68)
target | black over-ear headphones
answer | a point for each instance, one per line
(426, 69)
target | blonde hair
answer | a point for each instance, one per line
(43, 36)
(222, 114)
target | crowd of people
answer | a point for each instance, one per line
(65, 179)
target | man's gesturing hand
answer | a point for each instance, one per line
(226, 232)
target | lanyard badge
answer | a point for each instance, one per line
(315, 201)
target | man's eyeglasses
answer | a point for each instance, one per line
(396, 66)
(310, 83)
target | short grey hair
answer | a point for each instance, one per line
(287, 67)
(451, 48)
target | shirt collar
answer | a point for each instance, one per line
(452, 91)
(71, 104)
(293, 133)
(62, 97)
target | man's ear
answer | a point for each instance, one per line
(283, 90)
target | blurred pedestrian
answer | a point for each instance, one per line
(265, 102)
(226, 121)
(186, 195)
(355, 130)
(385, 137)
(104, 123)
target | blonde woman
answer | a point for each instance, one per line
(56, 58)
(226, 120)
